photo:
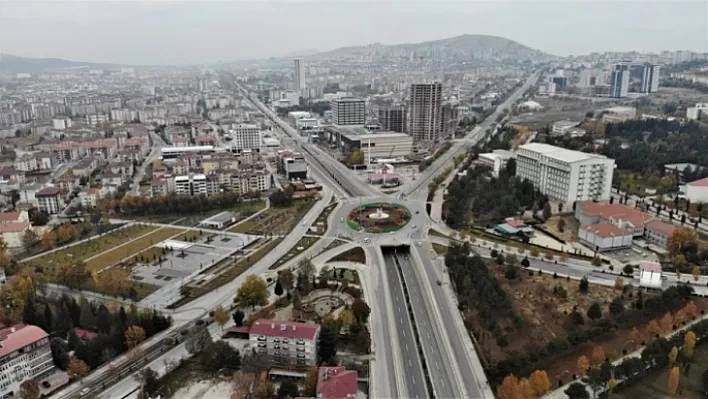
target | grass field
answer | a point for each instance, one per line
(244, 227)
(90, 248)
(188, 235)
(112, 257)
(275, 220)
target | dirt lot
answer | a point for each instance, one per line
(546, 317)
(654, 385)
(570, 230)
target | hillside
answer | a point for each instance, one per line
(15, 64)
(465, 46)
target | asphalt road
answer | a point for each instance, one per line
(441, 368)
(408, 354)
(157, 144)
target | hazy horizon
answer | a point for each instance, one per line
(164, 32)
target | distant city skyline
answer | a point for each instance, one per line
(162, 32)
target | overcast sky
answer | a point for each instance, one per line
(162, 32)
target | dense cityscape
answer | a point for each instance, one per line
(460, 218)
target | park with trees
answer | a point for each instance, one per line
(524, 322)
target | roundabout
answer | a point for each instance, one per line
(378, 217)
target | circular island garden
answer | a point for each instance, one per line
(378, 217)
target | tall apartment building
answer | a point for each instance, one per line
(650, 78)
(25, 355)
(450, 119)
(393, 119)
(563, 175)
(619, 85)
(286, 343)
(425, 114)
(299, 77)
(48, 200)
(348, 111)
(246, 137)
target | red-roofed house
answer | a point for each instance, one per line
(336, 383)
(697, 191)
(14, 217)
(25, 355)
(622, 216)
(285, 342)
(605, 237)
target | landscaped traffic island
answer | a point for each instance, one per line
(378, 217)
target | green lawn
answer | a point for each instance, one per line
(188, 235)
(112, 257)
(90, 248)
(654, 384)
(244, 227)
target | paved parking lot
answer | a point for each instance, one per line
(188, 258)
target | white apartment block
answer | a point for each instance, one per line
(191, 185)
(695, 112)
(348, 111)
(563, 175)
(246, 137)
(25, 355)
(48, 200)
(285, 343)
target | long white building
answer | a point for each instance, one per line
(563, 175)
(25, 355)
(284, 342)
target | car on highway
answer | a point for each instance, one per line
(420, 244)
(439, 282)
(341, 220)
(85, 391)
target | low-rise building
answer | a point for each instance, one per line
(605, 237)
(286, 343)
(12, 234)
(657, 233)
(336, 383)
(650, 274)
(697, 191)
(496, 160)
(14, 217)
(25, 354)
(219, 221)
(695, 113)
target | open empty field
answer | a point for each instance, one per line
(112, 257)
(91, 248)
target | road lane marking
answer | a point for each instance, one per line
(409, 362)
(437, 366)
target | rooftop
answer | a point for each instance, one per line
(699, 183)
(647, 266)
(615, 211)
(559, 153)
(9, 216)
(336, 383)
(18, 336)
(13, 227)
(48, 192)
(606, 230)
(658, 225)
(286, 329)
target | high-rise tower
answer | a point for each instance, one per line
(425, 118)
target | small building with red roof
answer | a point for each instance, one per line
(605, 237)
(285, 342)
(650, 274)
(26, 349)
(336, 383)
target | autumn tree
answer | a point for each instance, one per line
(346, 318)
(653, 328)
(361, 310)
(681, 239)
(598, 355)
(690, 310)
(636, 336)
(527, 391)
(666, 323)
(48, 240)
(583, 365)
(30, 390)
(509, 388)
(611, 384)
(134, 335)
(540, 382)
(29, 239)
(253, 292)
(674, 376)
(114, 281)
(673, 355)
(265, 391)
(619, 284)
(77, 368)
(221, 316)
(689, 344)
(13, 297)
(311, 378)
(679, 262)
(696, 272)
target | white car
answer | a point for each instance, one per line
(420, 244)
(304, 224)
(85, 391)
